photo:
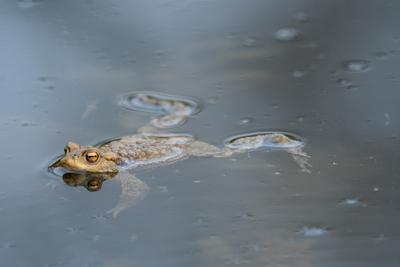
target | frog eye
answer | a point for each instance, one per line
(93, 185)
(91, 156)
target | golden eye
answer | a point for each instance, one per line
(93, 185)
(92, 156)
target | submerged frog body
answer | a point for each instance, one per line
(89, 166)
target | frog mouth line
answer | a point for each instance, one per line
(56, 169)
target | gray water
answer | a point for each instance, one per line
(325, 70)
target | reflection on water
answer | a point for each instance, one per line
(91, 181)
(327, 70)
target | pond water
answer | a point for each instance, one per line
(325, 71)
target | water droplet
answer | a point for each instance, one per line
(244, 215)
(73, 230)
(298, 73)
(43, 78)
(133, 237)
(275, 106)
(356, 65)
(96, 238)
(163, 189)
(7, 245)
(313, 231)
(28, 3)
(352, 202)
(302, 17)
(387, 119)
(212, 100)
(343, 82)
(287, 34)
(352, 87)
(245, 120)
(250, 42)
(381, 55)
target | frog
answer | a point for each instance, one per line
(153, 146)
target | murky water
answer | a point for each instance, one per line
(325, 71)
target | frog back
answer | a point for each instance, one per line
(149, 150)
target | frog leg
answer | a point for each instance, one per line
(163, 122)
(133, 190)
(274, 141)
(253, 141)
(301, 158)
(203, 149)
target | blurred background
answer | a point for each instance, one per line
(325, 70)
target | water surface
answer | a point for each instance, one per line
(335, 84)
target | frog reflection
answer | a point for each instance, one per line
(91, 181)
(91, 165)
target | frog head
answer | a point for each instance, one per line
(87, 159)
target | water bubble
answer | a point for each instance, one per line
(287, 34)
(43, 78)
(312, 231)
(250, 42)
(356, 65)
(212, 100)
(28, 3)
(275, 106)
(352, 87)
(133, 237)
(163, 188)
(73, 230)
(245, 120)
(352, 202)
(344, 82)
(298, 73)
(380, 238)
(387, 119)
(96, 238)
(7, 245)
(381, 55)
(302, 17)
